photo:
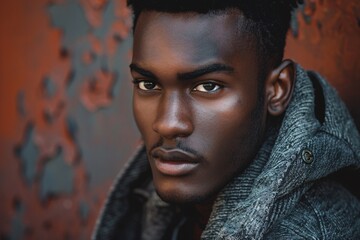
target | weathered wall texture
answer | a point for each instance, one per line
(325, 36)
(66, 125)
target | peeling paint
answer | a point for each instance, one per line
(94, 11)
(20, 104)
(28, 152)
(53, 111)
(71, 127)
(308, 9)
(97, 91)
(70, 79)
(70, 17)
(48, 87)
(294, 24)
(57, 178)
(84, 211)
(17, 225)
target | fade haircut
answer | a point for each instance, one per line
(266, 20)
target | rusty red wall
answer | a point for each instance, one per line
(325, 36)
(66, 125)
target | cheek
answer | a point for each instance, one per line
(225, 128)
(144, 114)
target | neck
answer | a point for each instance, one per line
(202, 212)
(199, 215)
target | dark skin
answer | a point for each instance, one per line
(196, 101)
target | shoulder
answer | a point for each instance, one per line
(326, 211)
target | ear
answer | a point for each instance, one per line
(279, 87)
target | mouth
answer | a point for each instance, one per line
(174, 162)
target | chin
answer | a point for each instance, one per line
(177, 196)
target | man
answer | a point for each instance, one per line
(238, 143)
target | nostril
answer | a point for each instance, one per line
(173, 117)
(171, 131)
(171, 128)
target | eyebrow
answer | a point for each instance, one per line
(145, 73)
(211, 68)
(216, 67)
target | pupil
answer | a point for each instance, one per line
(149, 85)
(209, 86)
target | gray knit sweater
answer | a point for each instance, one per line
(285, 193)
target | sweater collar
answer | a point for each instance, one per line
(282, 171)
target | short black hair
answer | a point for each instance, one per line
(267, 20)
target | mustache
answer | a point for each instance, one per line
(179, 145)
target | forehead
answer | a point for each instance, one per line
(190, 37)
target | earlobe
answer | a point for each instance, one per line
(279, 87)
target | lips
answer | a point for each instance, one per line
(174, 162)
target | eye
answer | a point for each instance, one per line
(208, 87)
(147, 85)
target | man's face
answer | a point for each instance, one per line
(195, 101)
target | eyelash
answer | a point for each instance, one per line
(137, 83)
(218, 86)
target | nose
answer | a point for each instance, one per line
(173, 117)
